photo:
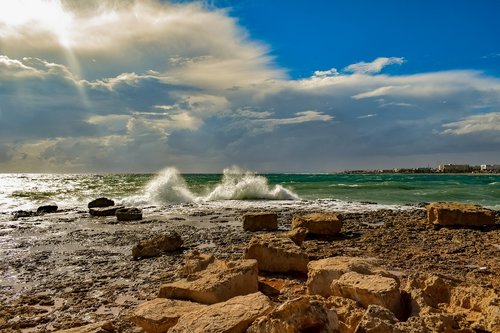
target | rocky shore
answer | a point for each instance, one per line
(67, 269)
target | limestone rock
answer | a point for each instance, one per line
(321, 273)
(303, 314)
(160, 314)
(260, 221)
(377, 319)
(101, 202)
(101, 327)
(297, 235)
(218, 283)
(370, 289)
(427, 292)
(459, 214)
(276, 254)
(195, 262)
(47, 209)
(323, 224)
(128, 214)
(349, 312)
(231, 316)
(153, 247)
(104, 211)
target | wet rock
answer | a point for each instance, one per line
(321, 273)
(160, 314)
(459, 214)
(370, 289)
(104, 211)
(128, 214)
(100, 202)
(276, 254)
(47, 209)
(101, 327)
(195, 262)
(219, 282)
(23, 213)
(260, 221)
(377, 319)
(168, 242)
(232, 316)
(297, 235)
(303, 314)
(322, 224)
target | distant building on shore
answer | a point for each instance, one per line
(454, 168)
(490, 168)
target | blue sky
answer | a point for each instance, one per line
(135, 86)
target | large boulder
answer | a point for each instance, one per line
(160, 314)
(260, 221)
(231, 316)
(195, 262)
(370, 289)
(320, 224)
(47, 209)
(303, 314)
(218, 283)
(168, 242)
(104, 211)
(459, 214)
(100, 202)
(426, 292)
(128, 214)
(277, 254)
(321, 273)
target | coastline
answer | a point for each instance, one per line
(68, 269)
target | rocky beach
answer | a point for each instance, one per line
(68, 269)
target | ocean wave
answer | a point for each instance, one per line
(170, 187)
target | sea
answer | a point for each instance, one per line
(240, 188)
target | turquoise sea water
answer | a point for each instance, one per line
(18, 191)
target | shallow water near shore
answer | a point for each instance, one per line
(238, 187)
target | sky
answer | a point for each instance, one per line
(270, 86)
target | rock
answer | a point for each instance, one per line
(303, 314)
(427, 292)
(218, 283)
(459, 214)
(260, 221)
(297, 235)
(23, 213)
(160, 314)
(153, 247)
(377, 319)
(349, 312)
(231, 316)
(104, 211)
(370, 289)
(276, 254)
(322, 224)
(196, 262)
(321, 273)
(128, 214)
(100, 202)
(46, 209)
(101, 327)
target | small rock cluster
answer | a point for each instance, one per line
(106, 207)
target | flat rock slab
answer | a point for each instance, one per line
(303, 314)
(104, 211)
(260, 221)
(276, 253)
(321, 224)
(218, 283)
(168, 242)
(459, 214)
(160, 314)
(321, 273)
(232, 316)
(370, 289)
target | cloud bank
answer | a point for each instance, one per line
(116, 86)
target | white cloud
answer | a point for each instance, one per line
(300, 117)
(488, 122)
(330, 72)
(373, 67)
